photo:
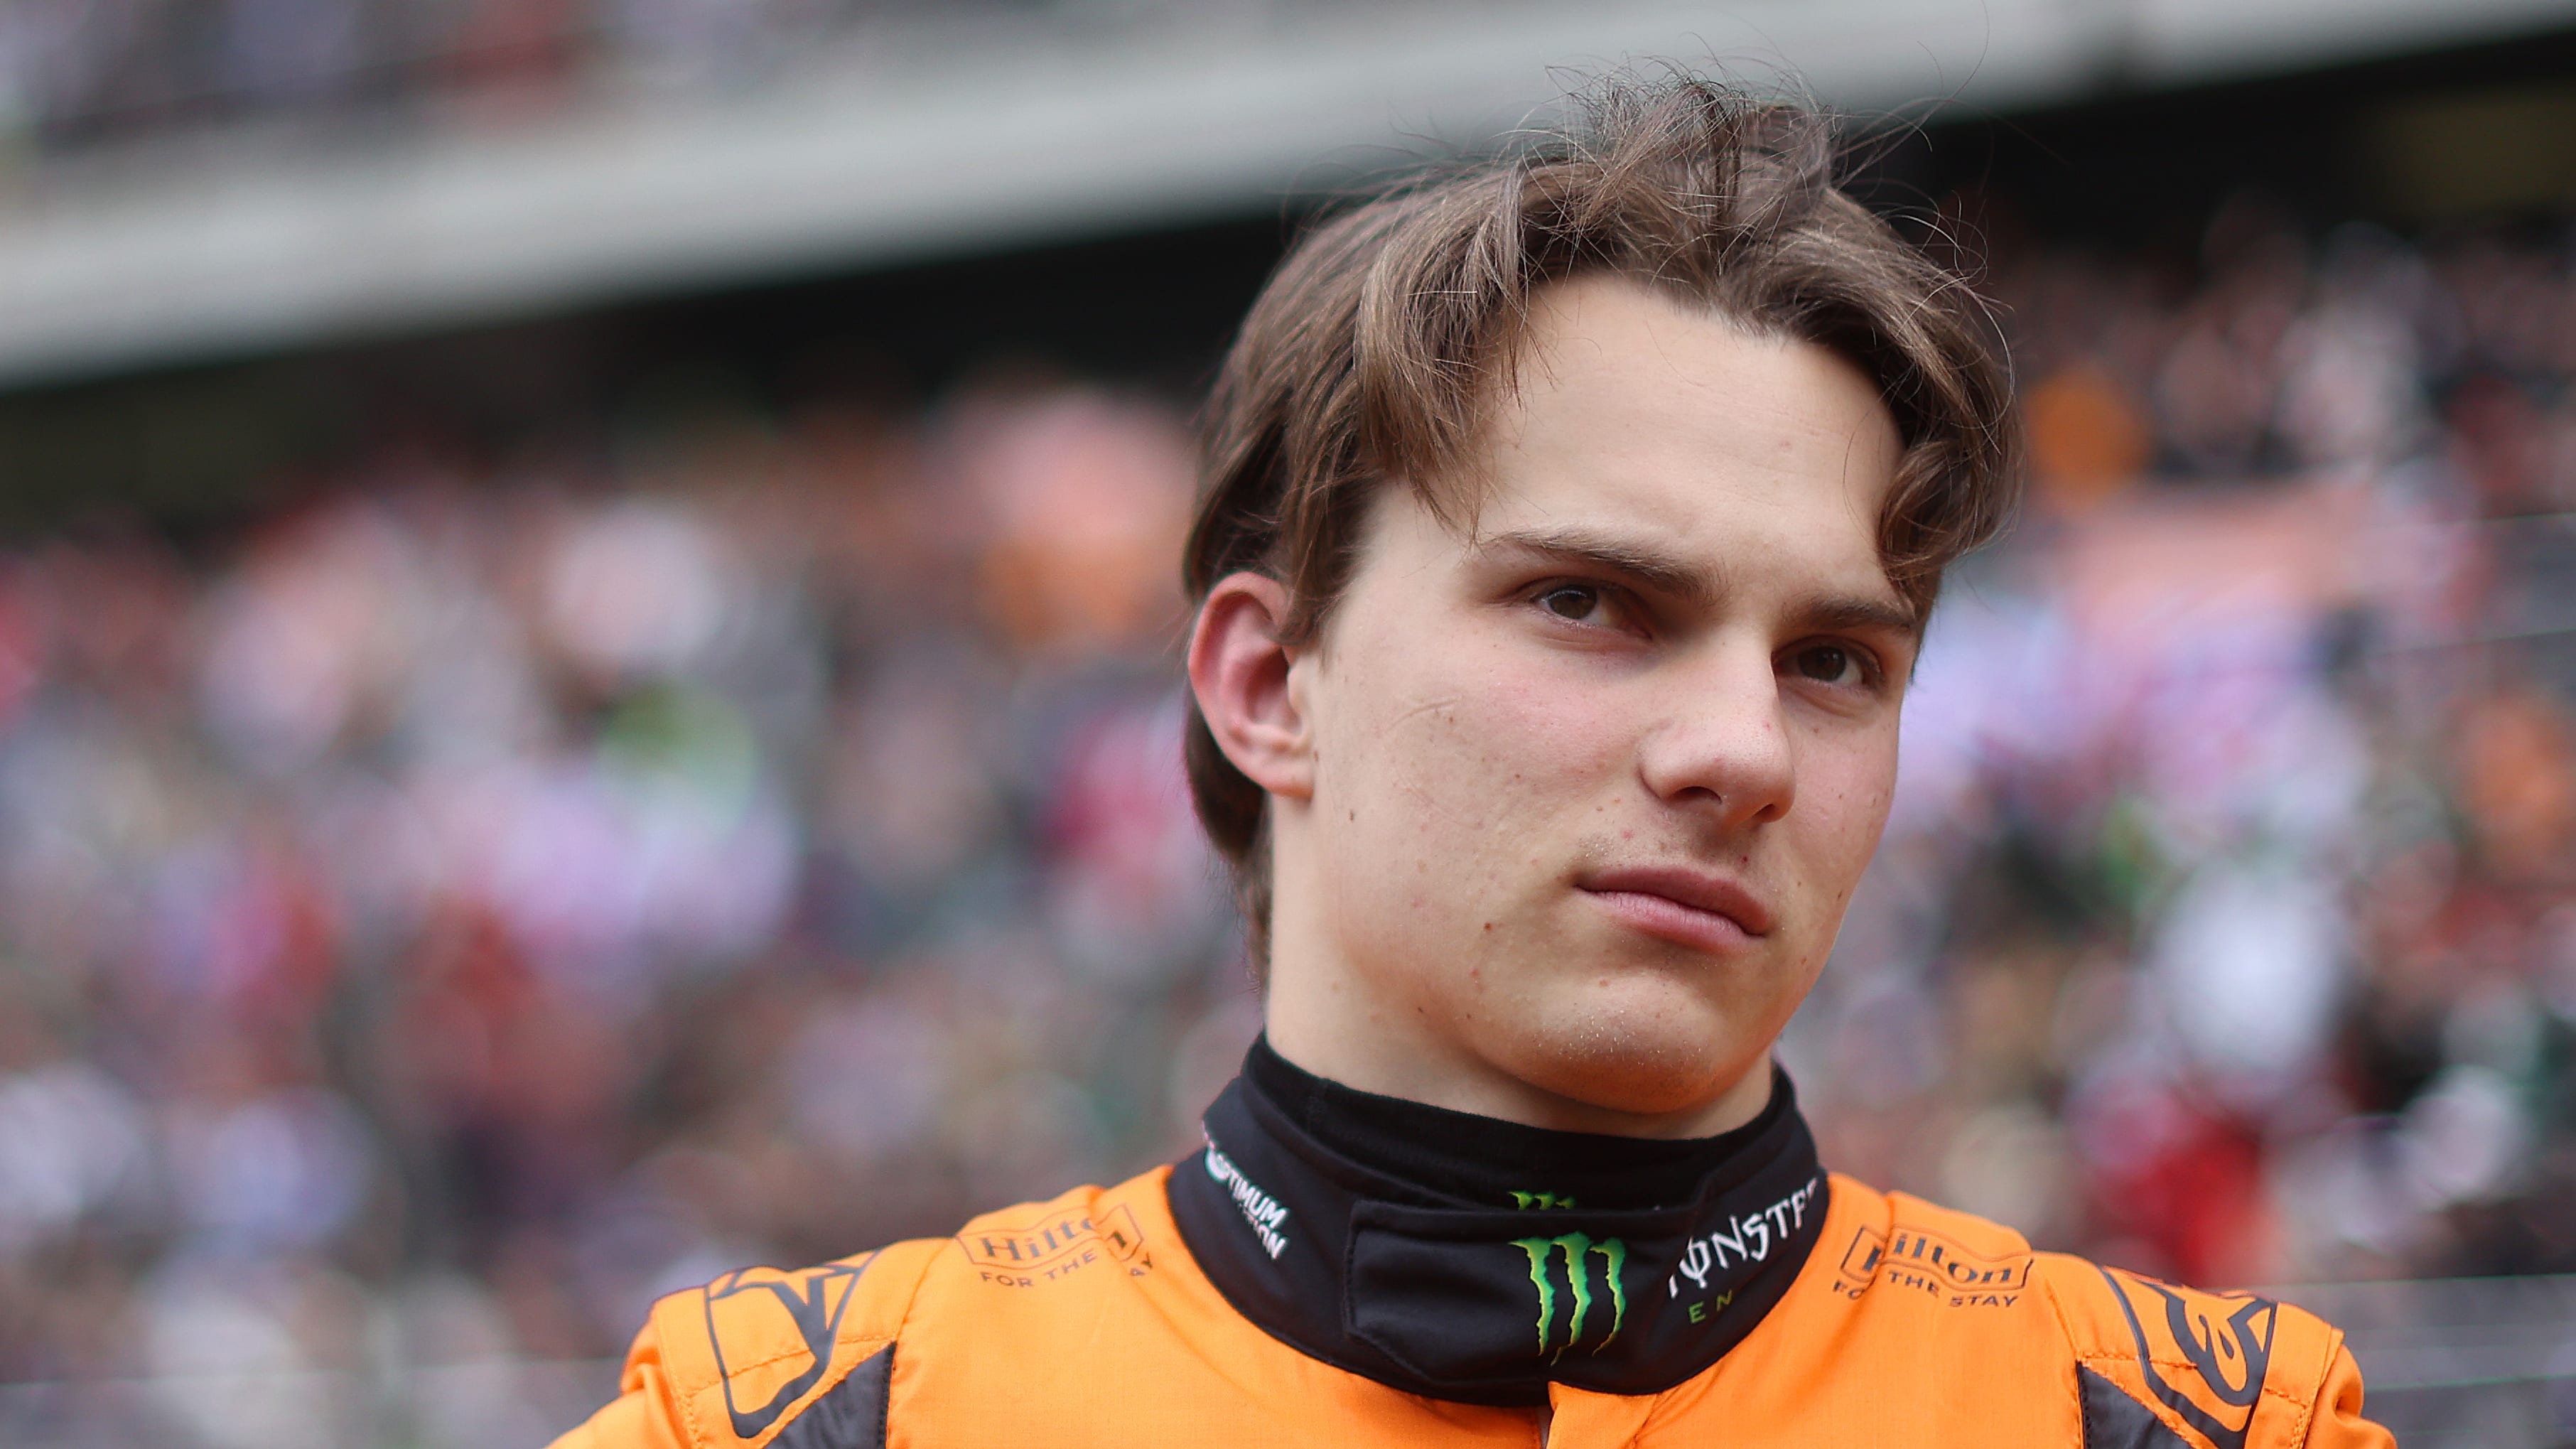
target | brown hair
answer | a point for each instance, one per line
(1389, 334)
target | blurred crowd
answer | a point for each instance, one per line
(442, 914)
(453, 911)
(74, 72)
(2226, 926)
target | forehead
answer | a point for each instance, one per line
(1638, 411)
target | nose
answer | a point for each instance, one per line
(1721, 748)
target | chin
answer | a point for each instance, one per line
(1638, 1054)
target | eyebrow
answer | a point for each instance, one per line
(1692, 584)
(1659, 572)
(1848, 615)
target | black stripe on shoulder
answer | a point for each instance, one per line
(2208, 1331)
(849, 1415)
(2112, 1419)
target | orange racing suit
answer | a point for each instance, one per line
(1274, 1290)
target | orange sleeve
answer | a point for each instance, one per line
(730, 1365)
(642, 1416)
(2336, 1422)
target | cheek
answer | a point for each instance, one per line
(1475, 735)
(1852, 782)
(1460, 766)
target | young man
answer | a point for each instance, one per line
(1569, 527)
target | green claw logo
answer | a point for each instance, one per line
(1578, 1251)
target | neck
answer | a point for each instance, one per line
(1422, 1066)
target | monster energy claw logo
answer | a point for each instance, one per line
(1577, 1250)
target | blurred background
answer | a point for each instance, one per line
(588, 687)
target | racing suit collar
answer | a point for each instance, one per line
(1447, 1158)
(1469, 1259)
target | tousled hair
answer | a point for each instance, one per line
(1391, 333)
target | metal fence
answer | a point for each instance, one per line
(492, 1405)
(2462, 1363)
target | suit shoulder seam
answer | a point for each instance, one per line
(931, 1248)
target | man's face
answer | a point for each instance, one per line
(1591, 787)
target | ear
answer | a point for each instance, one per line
(1239, 671)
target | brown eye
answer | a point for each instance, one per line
(1827, 664)
(1571, 601)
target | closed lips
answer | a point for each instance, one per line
(1696, 890)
